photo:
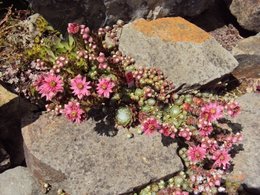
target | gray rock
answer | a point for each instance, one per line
(248, 46)
(18, 181)
(249, 67)
(79, 160)
(247, 162)
(96, 13)
(247, 13)
(186, 53)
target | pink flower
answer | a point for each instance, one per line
(80, 87)
(150, 126)
(196, 153)
(102, 61)
(185, 133)
(49, 85)
(130, 79)
(73, 111)
(233, 109)
(221, 158)
(104, 87)
(211, 112)
(210, 145)
(205, 128)
(73, 28)
(167, 130)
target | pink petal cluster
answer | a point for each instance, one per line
(233, 109)
(80, 87)
(196, 153)
(203, 180)
(130, 79)
(210, 145)
(102, 61)
(185, 133)
(48, 85)
(230, 140)
(105, 87)
(205, 128)
(222, 158)
(168, 130)
(211, 112)
(73, 111)
(150, 126)
(73, 28)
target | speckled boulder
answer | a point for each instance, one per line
(96, 13)
(81, 161)
(247, 169)
(186, 53)
(18, 181)
(247, 13)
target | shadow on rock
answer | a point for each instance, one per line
(11, 114)
(249, 191)
(105, 123)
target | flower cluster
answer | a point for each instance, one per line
(87, 72)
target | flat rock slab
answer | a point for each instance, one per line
(18, 181)
(247, 162)
(248, 46)
(186, 54)
(83, 162)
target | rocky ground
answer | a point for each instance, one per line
(40, 153)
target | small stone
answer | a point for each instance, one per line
(130, 135)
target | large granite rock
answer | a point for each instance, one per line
(96, 13)
(83, 162)
(247, 13)
(186, 53)
(18, 181)
(247, 169)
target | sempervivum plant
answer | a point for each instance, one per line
(87, 71)
(124, 116)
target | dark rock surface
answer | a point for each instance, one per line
(249, 67)
(5, 161)
(83, 162)
(12, 108)
(96, 13)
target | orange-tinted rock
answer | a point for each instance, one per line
(184, 52)
(172, 29)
